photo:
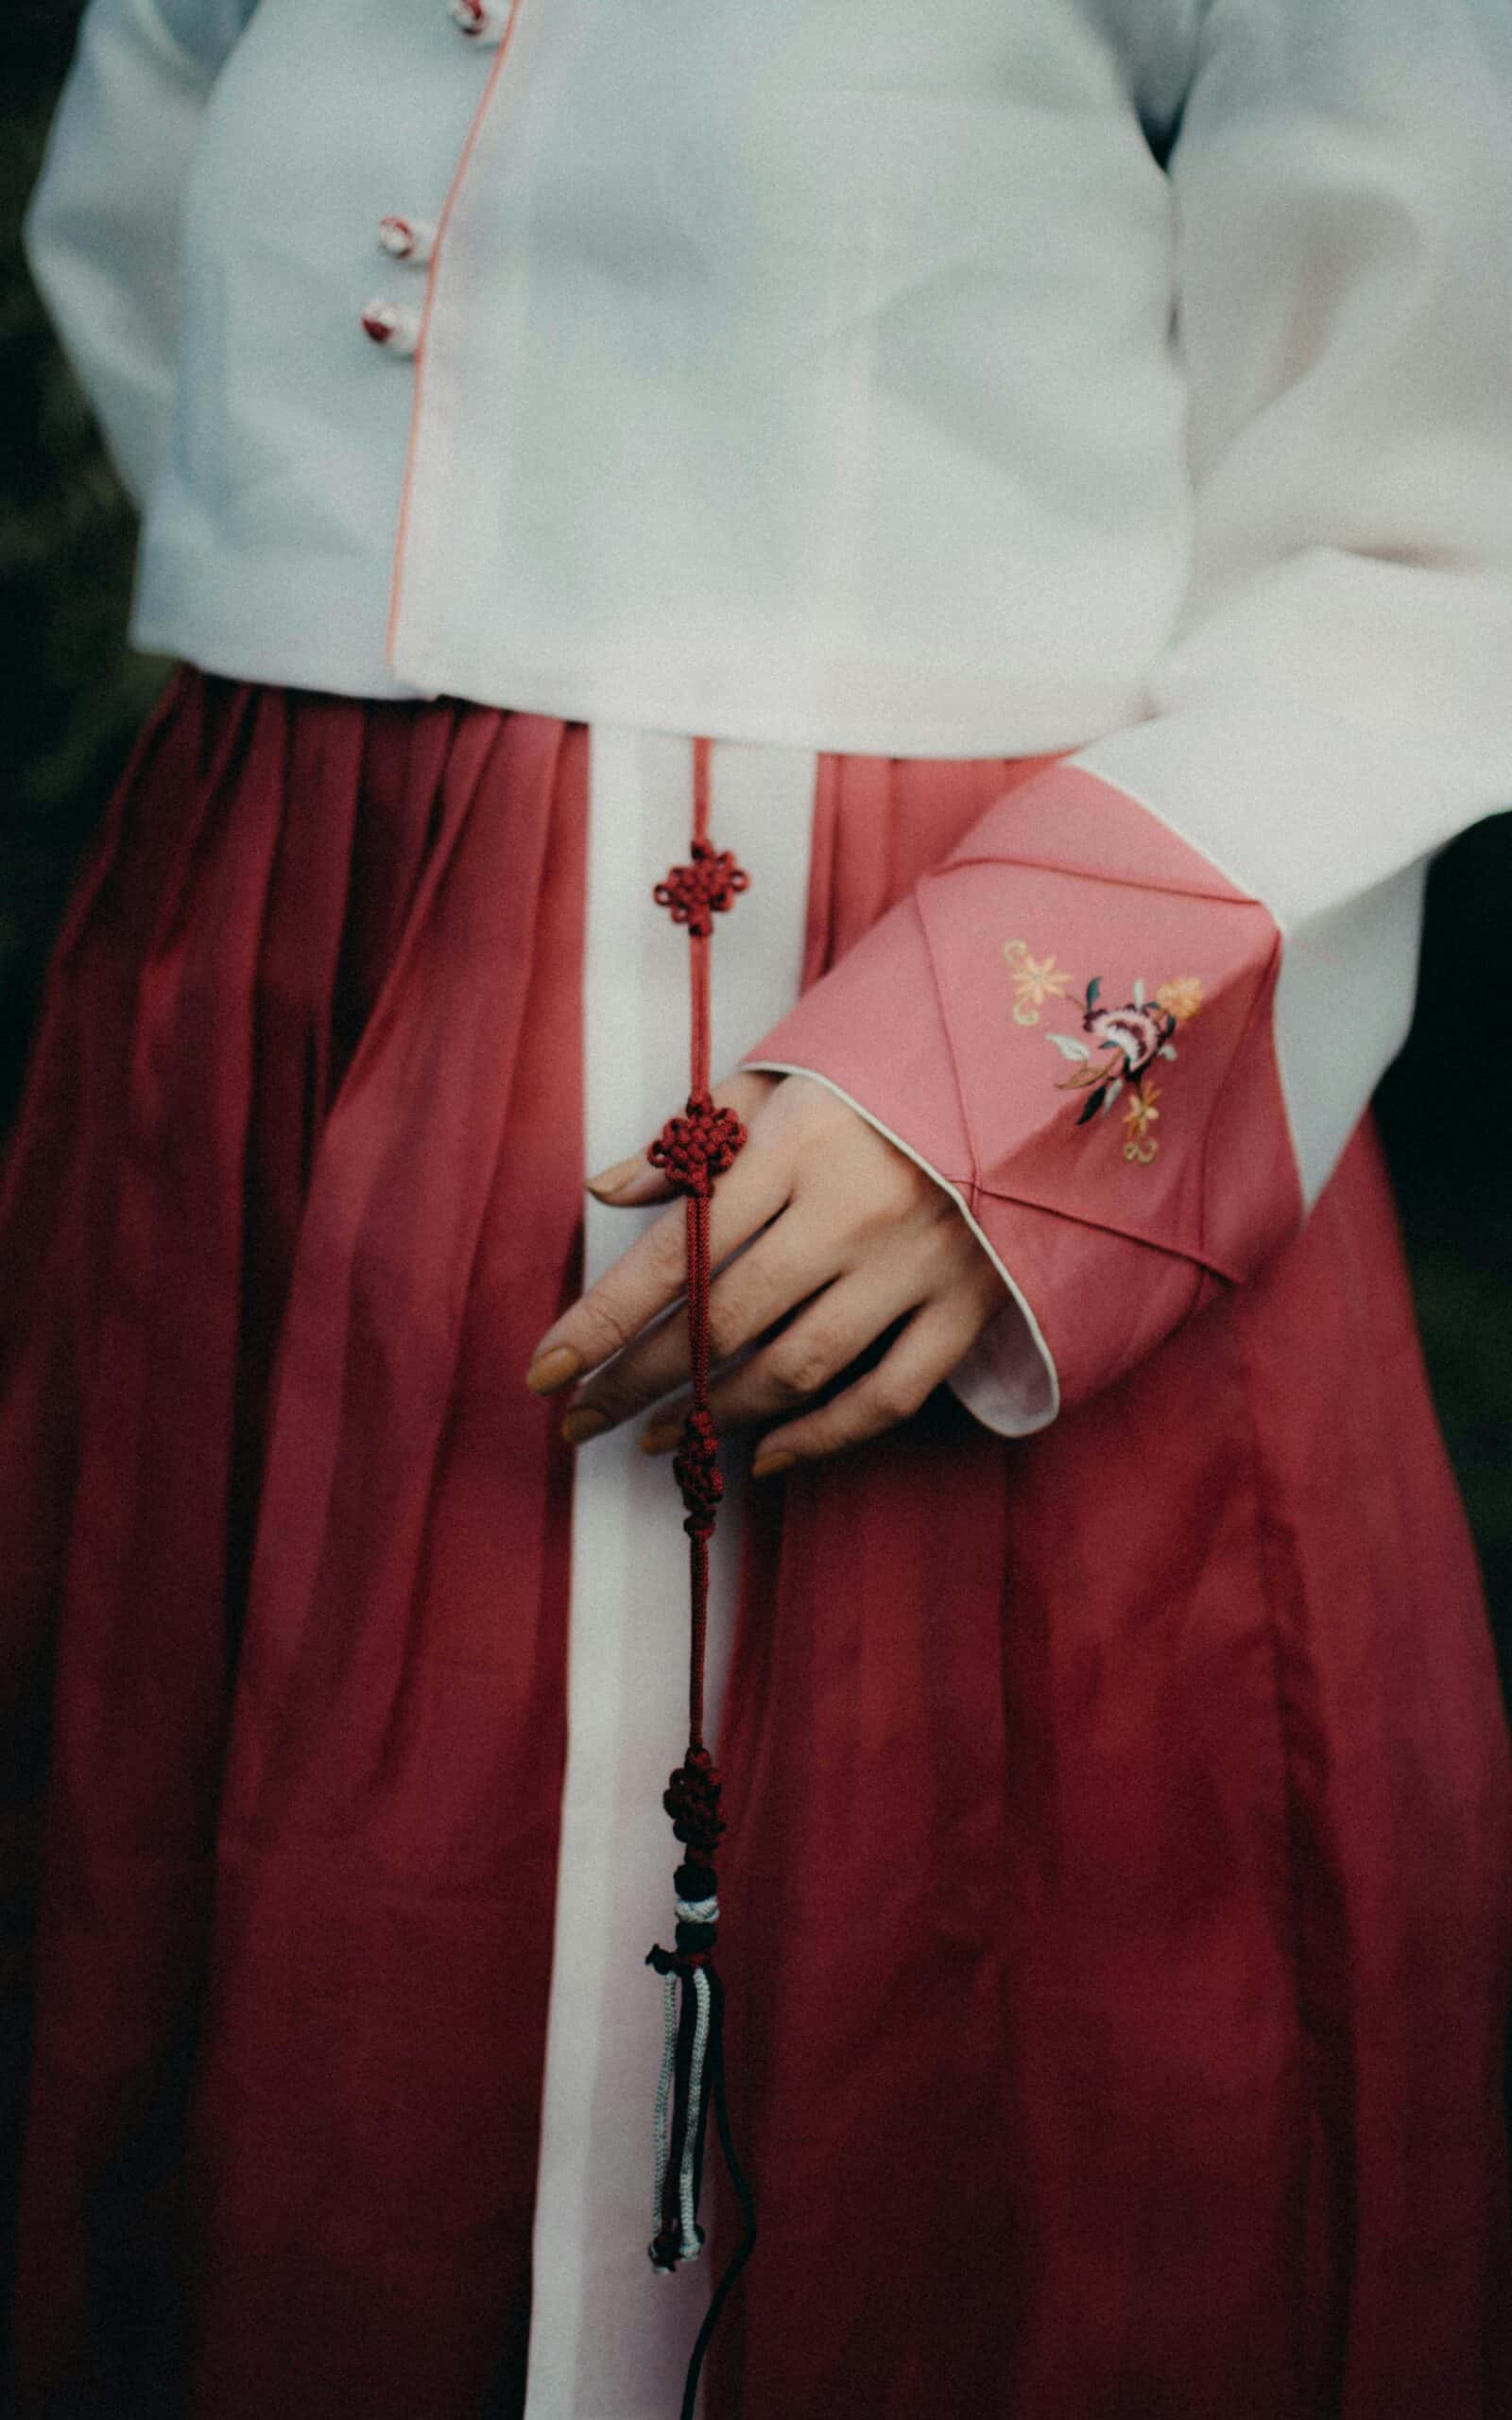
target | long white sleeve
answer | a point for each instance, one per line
(1334, 704)
(1338, 700)
(101, 234)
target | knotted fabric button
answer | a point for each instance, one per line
(397, 331)
(406, 239)
(481, 21)
(692, 1150)
(693, 894)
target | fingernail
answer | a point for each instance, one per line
(661, 1437)
(584, 1423)
(766, 1465)
(549, 1371)
(615, 1180)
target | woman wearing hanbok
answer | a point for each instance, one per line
(1028, 487)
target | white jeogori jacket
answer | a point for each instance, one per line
(1124, 377)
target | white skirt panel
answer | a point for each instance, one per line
(610, 2338)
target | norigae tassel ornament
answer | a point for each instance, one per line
(692, 1150)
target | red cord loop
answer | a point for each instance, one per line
(694, 1149)
(693, 894)
(695, 1468)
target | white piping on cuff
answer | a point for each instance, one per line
(1019, 1405)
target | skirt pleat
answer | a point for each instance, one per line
(1119, 1919)
(304, 1100)
(1117, 1904)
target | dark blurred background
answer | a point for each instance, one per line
(74, 697)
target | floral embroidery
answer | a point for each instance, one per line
(1123, 1043)
(1183, 998)
(1034, 980)
(1139, 1118)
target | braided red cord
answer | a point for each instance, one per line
(692, 1150)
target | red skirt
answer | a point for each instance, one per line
(1117, 1902)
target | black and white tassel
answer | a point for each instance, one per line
(682, 2096)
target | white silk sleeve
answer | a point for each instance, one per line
(1333, 706)
(101, 232)
(1336, 701)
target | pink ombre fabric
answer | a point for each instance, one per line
(298, 1178)
(1117, 1911)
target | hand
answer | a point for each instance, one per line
(838, 1235)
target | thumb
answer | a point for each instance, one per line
(631, 1183)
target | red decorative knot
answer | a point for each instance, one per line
(695, 1468)
(692, 1800)
(480, 20)
(397, 330)
(694, 894)
(694, 1149)
(406, 239)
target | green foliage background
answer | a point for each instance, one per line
(74, 695)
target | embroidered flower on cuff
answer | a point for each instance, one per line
(1122, 1046)
(1138, 1030)
(1139, 1118)
(1034, 981)
(1183, 996)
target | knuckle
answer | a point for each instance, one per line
(893, 1400)
(801, 1369)
(889, 1205)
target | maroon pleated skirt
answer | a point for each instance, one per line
(1117, 1898)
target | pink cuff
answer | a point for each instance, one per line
(1069, 1024)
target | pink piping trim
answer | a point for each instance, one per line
(464, 162)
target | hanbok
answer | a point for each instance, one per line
(1054, 461)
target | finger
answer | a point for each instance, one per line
(631, 1183)
(760, 1286)
(925, 1352)
(651, 1275)
(872, 1303)
(816, 1348)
